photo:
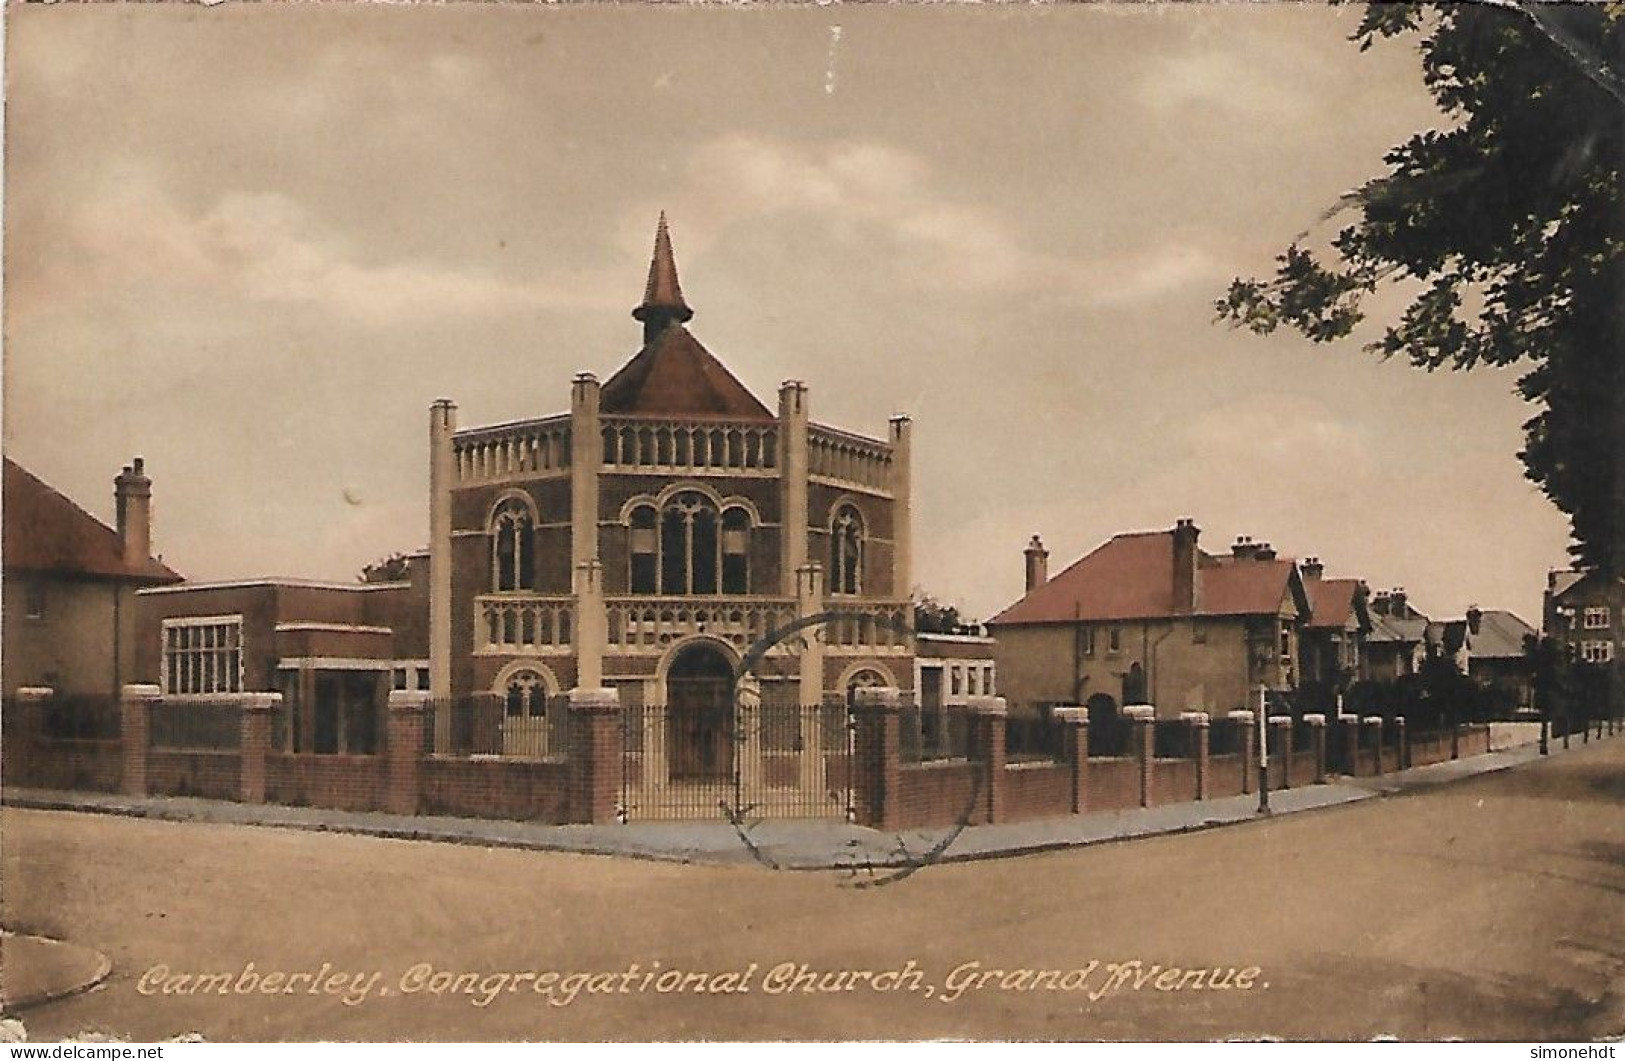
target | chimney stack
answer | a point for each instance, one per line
(1380, 603)
(132, 501)
(1037, 563)
(1396, 602)
(1185, 535)
(1264, 551)
(1475, 619)
(1243, 549)
(1313, 568)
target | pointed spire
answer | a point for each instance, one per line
(662, 295)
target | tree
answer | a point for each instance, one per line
(932, 616)
(396, 567)
(1508, 227)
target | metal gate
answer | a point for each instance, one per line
(740, 756)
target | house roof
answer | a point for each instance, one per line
(1131, 577)
(44, 531)
(1500, 636)
(1387, 628)
(674, 376)
(1331, 601)
(1580, 583)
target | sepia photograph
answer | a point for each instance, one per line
(710, 522)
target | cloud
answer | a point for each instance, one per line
(262, 247)
(892, 200)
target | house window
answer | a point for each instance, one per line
(202, 655)
(1596, 618)
(34, 599)
(846, 550)
(1114, 640)
(1597, 651)
(513, 562)
(957, 678)
(1086, 640)
(987, 681)
(974, 685)
(1286, 642)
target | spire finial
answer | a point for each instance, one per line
(662, 295)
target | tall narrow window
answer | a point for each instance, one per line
(513, 562)
(846, 551)
(736, 551)
(690, 548)
(644, 550)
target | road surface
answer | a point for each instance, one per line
(1492, 908)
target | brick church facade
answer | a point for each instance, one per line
(646, 539)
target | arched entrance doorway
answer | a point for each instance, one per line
(699, 699)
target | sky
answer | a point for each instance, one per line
(253, 243)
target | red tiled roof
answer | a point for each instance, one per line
(45, 531)
(1331, 600)
(1131, 577)
(675, 376)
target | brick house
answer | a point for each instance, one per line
(645, 539)
(1399, 640)
(1585, 611)
(1496, 648)
(1333, 649)
(1150, 618)
(70, 583)
(333, 650)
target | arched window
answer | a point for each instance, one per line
(526, 695)
(689, 545)
(846, 550)
(513, 560)
(736, 551)
(644, 547)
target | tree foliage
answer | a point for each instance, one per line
(1507, 227)
(932, 616)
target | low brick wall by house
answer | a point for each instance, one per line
(1474, 740)
(518, 790)
(1224, 776)
(1037, 790)
(1114, 784)
(88, 765)
(1173, 781)
(205, 774)
(334, 782)
(938, 793)
(1429, 748)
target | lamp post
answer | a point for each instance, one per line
(1263, 752)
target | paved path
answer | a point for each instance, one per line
(801, 845)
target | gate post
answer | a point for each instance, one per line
(1244, 721)
(25, 735)
(135, 707)
(1142, 721)
(1374, 724)
(875, 756)
(254, 722)
(1317, 733)
(1198, 747)
(595, 755)
(1076, 721)
(1281, 742)
(404, 746)
(988, 715)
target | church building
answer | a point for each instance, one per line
(652, 536)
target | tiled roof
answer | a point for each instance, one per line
(1331, 601)
(674, 376)
(45, 531)
(1131, 577)
(1500, 636)
(1386, 628)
